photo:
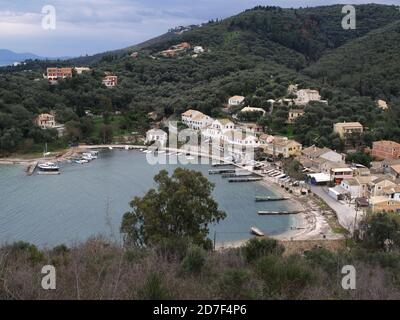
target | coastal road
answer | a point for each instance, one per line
(346, 213)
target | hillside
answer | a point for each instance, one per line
(9, 57)
(257, 54)
(369, 65)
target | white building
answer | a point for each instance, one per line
(305, 96)
(80, 70)
(236, 101)
(218, 128)
(158, 136)
(240, 138)
(352, 187)
(196, 120)
(251, 109)
(198, 49)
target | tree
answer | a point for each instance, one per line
(180, 208)
(381, 231)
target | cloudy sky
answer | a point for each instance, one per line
(92, 26)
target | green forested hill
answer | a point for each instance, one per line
(255, 54)
(369, 65)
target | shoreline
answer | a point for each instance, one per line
(308, 225)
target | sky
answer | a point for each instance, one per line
(92, 26)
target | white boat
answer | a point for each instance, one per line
(81, 161)
(48, 168)
(257, 232)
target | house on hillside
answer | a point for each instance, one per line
(305, 96)
(110, 81)
(386, 150)
(58, 73)
(294, 114)
(346, 128)
(236, 101)
(80, 70)
(46, 121)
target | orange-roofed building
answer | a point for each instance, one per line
(55, 73)
(386, 150)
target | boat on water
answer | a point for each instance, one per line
(48, 168)
(81, 161)
(257, 232)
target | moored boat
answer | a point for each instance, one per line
(257, 232)
(48, 168)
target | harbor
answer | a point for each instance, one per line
(80, 202)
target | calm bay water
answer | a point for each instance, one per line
(88, 200)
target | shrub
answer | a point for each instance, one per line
(257, 248)
(234, 284)
(194, 260)
(154, 288)
(321, 257)
(284, 278)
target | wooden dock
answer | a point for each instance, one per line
(268, 198)
(278, 213)
(245, 179)
(221, 171)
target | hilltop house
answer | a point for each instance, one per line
(56, 73)
(110, 81)
(294, 114)
(196, 120)
(80, 70)
(305, 96)
(46, 121)
(345, 128)
(386, 150)
(236, 101)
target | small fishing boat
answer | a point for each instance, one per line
(48, 168)
(257, 232)
(81, 161)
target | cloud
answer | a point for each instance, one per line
(91, 26)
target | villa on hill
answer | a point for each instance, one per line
(57, 73)
(345, 128)
(236, 101)
(110, 81)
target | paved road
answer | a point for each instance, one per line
(346, 214)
